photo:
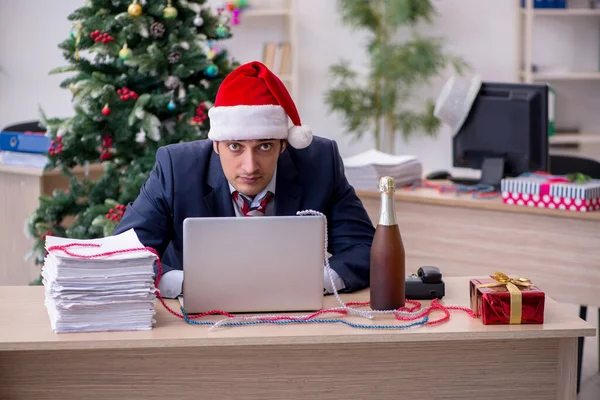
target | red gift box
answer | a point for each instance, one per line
(502, 300)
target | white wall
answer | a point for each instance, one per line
(30, 31)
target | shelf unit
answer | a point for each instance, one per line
(563, 12)
(527, 17)
(264, 9)
(560, 76)
(266, 12)
(575, 138)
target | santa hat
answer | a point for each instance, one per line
(253, 103)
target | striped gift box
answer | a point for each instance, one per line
(547, 191)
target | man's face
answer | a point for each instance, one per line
(249, 165)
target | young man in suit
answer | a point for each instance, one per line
(252, 165)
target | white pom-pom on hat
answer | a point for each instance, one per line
(253, 103)
(300, 137)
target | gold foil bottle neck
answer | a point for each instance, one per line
(387, 184)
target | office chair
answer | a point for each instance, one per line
(563, 165)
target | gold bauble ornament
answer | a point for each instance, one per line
(170, 11)
(134, 9)
(125, 53)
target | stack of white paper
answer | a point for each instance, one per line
(108, 293)
(364, 170)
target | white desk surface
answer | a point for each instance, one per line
(24, 325)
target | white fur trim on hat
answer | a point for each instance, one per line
(300, 137)
(248, 122)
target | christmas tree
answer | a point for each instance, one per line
(143, 75)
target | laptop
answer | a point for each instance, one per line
(253, 265)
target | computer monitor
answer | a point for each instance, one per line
(505, 133)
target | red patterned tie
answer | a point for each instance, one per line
(245, 207)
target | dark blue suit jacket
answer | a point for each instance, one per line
(188, 181)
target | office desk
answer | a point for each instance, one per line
(558, 250)
(458, 359)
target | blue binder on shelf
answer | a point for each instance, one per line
(547, 3)
(24, 142)
(556, 3)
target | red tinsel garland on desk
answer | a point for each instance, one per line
(415, 313)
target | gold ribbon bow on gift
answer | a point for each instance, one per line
(516, 297)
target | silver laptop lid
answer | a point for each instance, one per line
(254, 264)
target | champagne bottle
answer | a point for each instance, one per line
(388, 275)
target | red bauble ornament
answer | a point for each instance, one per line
(106, 141)
(105, 153)
(106, 111)
(200, 116)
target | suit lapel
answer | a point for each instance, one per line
(288, 191)
(218, 200)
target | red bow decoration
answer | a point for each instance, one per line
(545, 186)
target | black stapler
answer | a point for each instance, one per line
(427, 284)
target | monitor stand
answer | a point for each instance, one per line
(492, 172)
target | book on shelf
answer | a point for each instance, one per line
(25, 142)
(277, 57)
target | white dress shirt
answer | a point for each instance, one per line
(171, 283)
